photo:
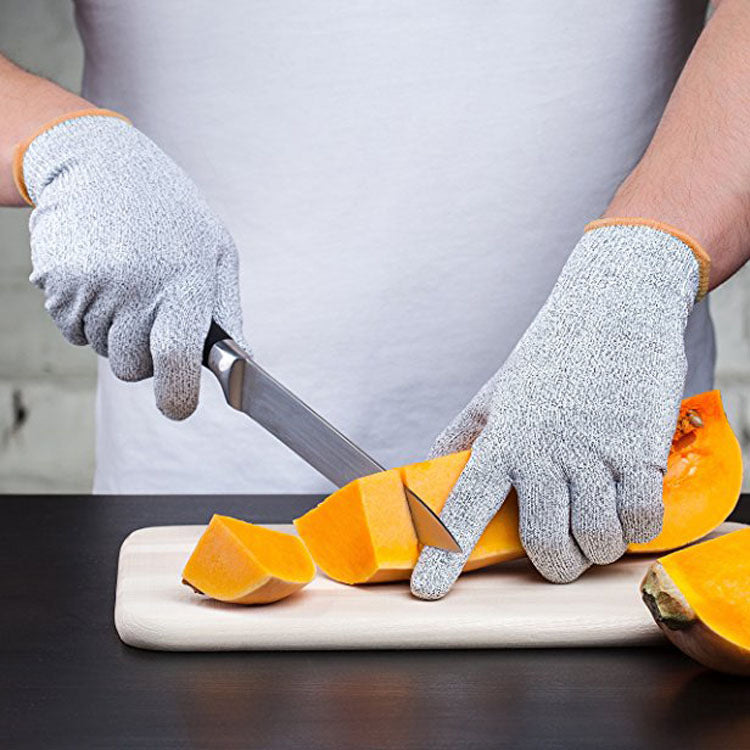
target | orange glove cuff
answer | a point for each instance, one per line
(21, 147)
(704, 261)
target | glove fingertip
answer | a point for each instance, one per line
(175, 406)
(177, 376)
(476, 497)
(640, 504)
(544, 526)
(565, 573)
(435, 573)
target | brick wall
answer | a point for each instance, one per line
(730, 305)
(47, 386)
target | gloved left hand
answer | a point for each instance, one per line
(580, 417)
(129, 255)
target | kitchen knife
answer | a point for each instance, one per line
(250, 389)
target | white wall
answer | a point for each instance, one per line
(47, 386)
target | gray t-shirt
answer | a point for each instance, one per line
(404, 181)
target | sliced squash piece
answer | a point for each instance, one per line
(363, 534)
(704, 474)
(700, 598)
(239, 562)
(433, 481)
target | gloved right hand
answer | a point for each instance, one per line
(129, 256)
(580, 417)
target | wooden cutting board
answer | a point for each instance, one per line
(506, 606)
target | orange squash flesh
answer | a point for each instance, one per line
(242, 563)
(363, 534)
(433, 481)
(700, 598)
(704, 474)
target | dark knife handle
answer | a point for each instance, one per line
(215, 334)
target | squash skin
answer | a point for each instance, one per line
(701, 488)
(667, 593)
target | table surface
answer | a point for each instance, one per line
(68, 682)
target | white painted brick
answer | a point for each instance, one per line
(733, 399)
(52, 451)
(41, 36)
(14, 244)
(46, 438)
(736, 402)
(32, 346)
(729, 307)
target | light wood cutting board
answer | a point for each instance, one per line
(507, 606)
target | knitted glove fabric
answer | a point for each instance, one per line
(129, 256)
(581, 415)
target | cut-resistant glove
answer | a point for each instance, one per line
(580, 417)
(129, 256)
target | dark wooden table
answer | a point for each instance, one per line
(68, 682)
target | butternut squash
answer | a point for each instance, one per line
(363, 534)
(242, 563)
(704, 474)
(700, 598)
(433, 481)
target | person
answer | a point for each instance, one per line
(404, 183)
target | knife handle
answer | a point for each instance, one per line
(215, 334)
(226, 360)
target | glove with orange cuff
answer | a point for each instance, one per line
(580, 417)
(129, 256)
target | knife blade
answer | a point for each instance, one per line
(250, 389)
